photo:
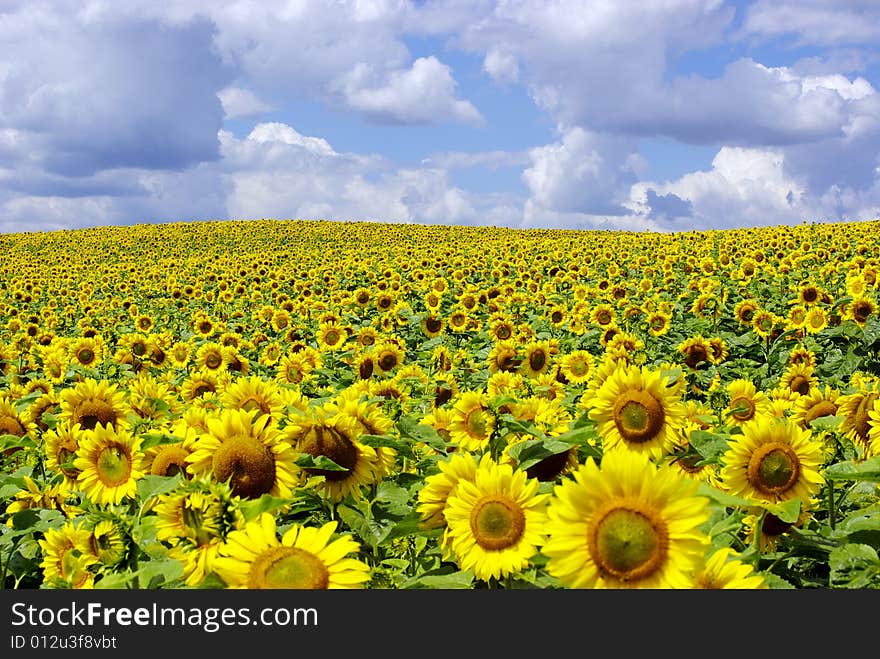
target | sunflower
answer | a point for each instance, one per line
(180, 354)
(576, 366)
(246, 450)
(745, 311)
(195, 523)
(304, 558)
(432, 325)
(718, 350)
(506, 383)
(504, 357)
(295, 368)
(798, 380)
(860, 309)
(552, 419)
(873, 441)
(389, 355)
(436, 488)
(809, 294)
(658, 323)
(816, 320)
(724, 569)
(501, 329)
(745, 402)
(200, 382)
(68, 558)
(92, 402)
(855, 409)
(61, 444)
(636, 408)
(109, 462)
(254, 393)
(603, 315)
(318, 435)
(211, 357)
(772, 460)
(331, 336)
(108, 542)
(473, 422)
(11, 421)
(763, 323)
(495, 521)
(819, 402)
(696, 350)
(86, 352)
(626, 523)
(537, 356)
(767, 531)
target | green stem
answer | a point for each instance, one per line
(831, 511)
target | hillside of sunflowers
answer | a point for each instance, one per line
(316, 404)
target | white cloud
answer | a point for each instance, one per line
(417, 95)
(239, 103)
(754, 187)
(816, 22)
(583, 173)
(501, 66)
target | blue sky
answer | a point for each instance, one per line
(657, 115)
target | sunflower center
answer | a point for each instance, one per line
(252, 403)
(497, 523)
(332, 444)
(477, 424)
(65, 458)
(800, 384)
(85, 356)
(387, 361)
(579, 368)
(820, 409)
(288, 567)
(773, 468)
(170, 461)
(247, 464)
(10, 426)
(92, 412)
(537, 360)
(550, 467)
(628, 544)
(638, 416)
(113, 466)
(743, 408)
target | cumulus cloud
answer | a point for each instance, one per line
(277, 172)
(750, 187)
(239, 103)
(412, 96)
(100, 94)
(583, 173)
(815, 22)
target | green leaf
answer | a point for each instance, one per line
(710, 445)
(420, 433)
(826, 423)
(723, 498)
(153, 485)
(861, 527)
(309, 461)
(387, 441)
(452, 581)
(396, 496)
(25, 519)
(854, 566)
(151, 439)
(787, 511)
(530, 452)
(253, 508)
(852, 470)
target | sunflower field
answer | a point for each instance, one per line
(316, 404)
